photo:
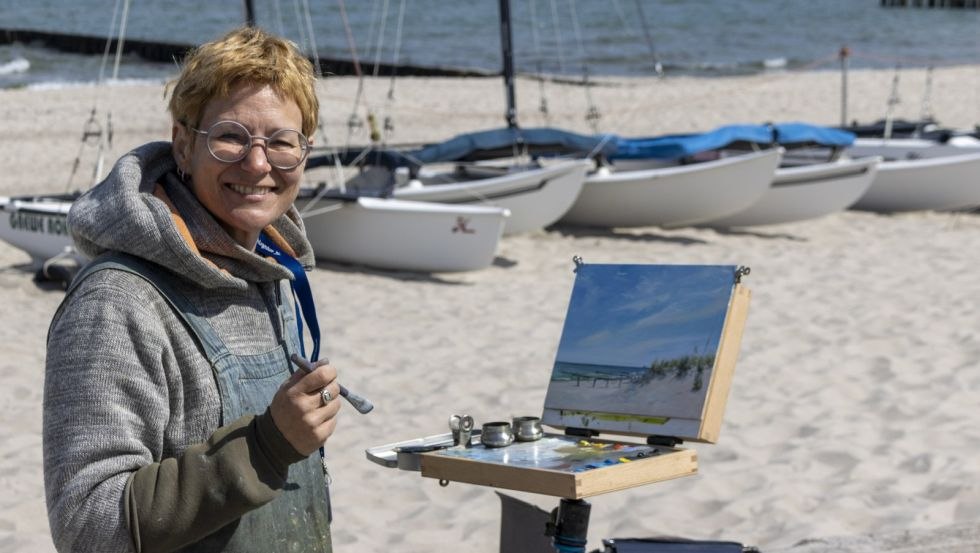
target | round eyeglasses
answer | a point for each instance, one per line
(230, 142)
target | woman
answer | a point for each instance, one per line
(171, 419)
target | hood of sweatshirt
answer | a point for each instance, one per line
(142, 208)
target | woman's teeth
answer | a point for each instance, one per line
(249, 190)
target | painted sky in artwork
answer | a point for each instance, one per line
(632, 315)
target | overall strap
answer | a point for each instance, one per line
(159, 277)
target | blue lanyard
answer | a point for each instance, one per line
(304, 300)
(301, 293)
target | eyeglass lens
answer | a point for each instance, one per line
(230, 142)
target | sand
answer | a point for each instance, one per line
(852, 410)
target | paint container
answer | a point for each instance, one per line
(527, 429)
(497, 434)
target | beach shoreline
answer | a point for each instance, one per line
(851, 407)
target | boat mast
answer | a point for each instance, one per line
(844, 53)
(249, 13)
(507, 50)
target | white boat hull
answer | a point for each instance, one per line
(807, 192)
(403, 235)
(675, 195)
(37, 225)
(940, 183)
(899, 149)
(535, 197)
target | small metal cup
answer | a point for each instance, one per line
(527, 429)
(497, 434)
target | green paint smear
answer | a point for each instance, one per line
(617, 418)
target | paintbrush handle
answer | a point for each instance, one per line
(362, 404)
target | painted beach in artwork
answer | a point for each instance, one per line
(640, 340)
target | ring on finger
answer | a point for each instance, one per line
(325, 396)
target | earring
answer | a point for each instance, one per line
(182, 175)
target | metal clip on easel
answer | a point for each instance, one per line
(462, 428)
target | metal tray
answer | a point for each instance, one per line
(404, 455)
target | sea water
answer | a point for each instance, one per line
(564, 37)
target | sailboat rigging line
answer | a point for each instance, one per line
(308, 210)
(398, 45)
(339, 171)
(350, 38)
(298, 14)
(381, 36)
(373, 19)
(893, 100)
(592, 114)
(389, 125)
(925, 113)
(105, 135)
(108, 44)
(92, 128)
(658, 67)
(120, 40)
(578, 30)
(558, 40)
(372, 119)
(543, 104)
(86, 132)
(353, 121)
(315, 52)
(308, 19)
(325, 209)
(602, 144)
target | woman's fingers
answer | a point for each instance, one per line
(322, 376)
(300, 411)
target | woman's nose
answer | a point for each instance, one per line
(256, 160)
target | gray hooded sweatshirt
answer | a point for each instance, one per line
(130, 403)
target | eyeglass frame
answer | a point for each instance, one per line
(251, 142)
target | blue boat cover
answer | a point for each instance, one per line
(547, 141)
(793, 134)
(362, 157)
(498, 142)
(684, 145)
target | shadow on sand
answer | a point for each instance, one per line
(402, 275)
(637, 236)
(756, 234)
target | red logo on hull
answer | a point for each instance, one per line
(461, 223)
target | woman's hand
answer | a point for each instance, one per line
(298, 409)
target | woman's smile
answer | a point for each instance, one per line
(245, 190)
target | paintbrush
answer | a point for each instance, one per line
(362, 404)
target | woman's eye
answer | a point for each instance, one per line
(233, 138)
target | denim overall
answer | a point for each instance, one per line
(299, 518)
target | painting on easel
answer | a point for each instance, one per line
(640, 342)
(646, 351)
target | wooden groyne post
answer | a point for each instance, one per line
(168, 52)
(969, 4)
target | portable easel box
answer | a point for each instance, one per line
(645, 362)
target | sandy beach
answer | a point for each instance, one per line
(852, 410)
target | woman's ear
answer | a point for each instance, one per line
(181, 147)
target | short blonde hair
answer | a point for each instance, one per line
(245, 55)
